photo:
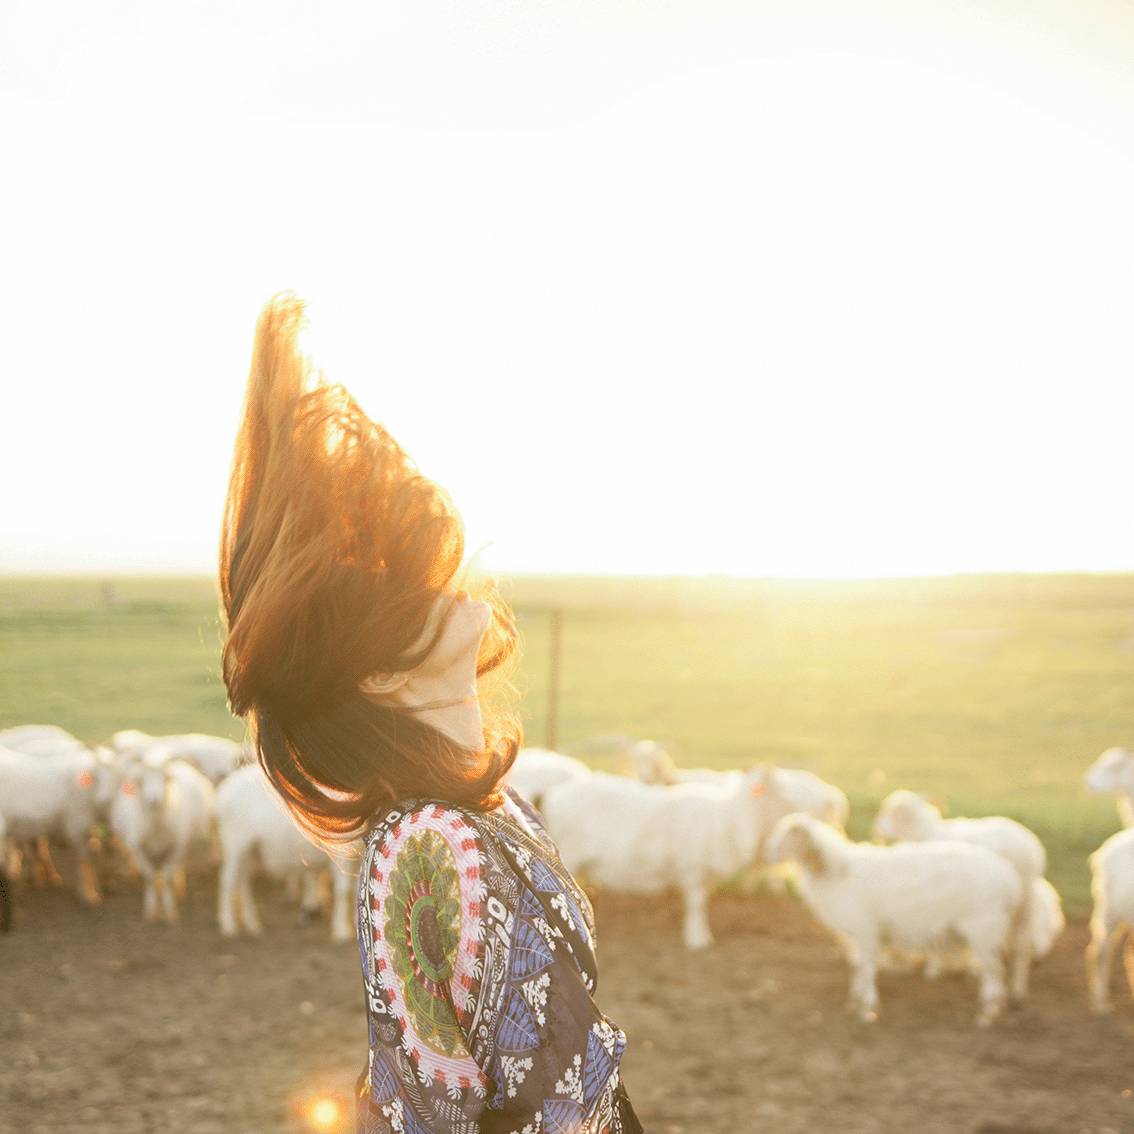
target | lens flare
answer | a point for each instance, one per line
(325, 1114)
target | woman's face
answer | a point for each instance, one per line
(455, 652)
(448, 673)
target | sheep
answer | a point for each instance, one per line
(912, 897)
(1113, 773)
(63, 794)
(161, 811)
(39, 740)
(1047, 919)
(1046, 922)
(215, 756)
(252, 823)
(812, 795)
(538, 769)
(1112, 888)
(643, 838)
(905, 816)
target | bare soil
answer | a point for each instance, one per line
(112, 1025)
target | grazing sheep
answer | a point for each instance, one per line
(215, 756)
(538, 769)
(641, 838)
(253, 823)
(905, 816)
(161, 811)
(63, 794)
(912, 897)
(1111, 774)
(1112, 887)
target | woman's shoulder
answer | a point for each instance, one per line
(421, 814)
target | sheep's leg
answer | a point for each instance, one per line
(864, 980)
(87, 880)
(342, 887)
(150, 895)
(697, 932)
(311, 899)
(1021, 960)
(249, 914)
(993, 992)
(295, 888)
(44, 870)
(1021, 947)
(168, 893)
(180, 883)
(227, 918)
(1128, 962)
(126, 867)
(1100, 963)
(15, 859)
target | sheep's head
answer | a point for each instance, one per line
(130, 742)
(652, 763)
(904, 816)
(147, 779)
(808, 841)
(1113, 771)
(106, 777)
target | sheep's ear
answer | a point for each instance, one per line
(764, 774)
(379, 683)
(759, 779)
(807, 852)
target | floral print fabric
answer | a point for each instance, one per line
(477, 951)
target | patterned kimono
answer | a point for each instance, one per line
(478, 962)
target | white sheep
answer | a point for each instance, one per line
(64, 795)
(910, 897)
(215, 756)
(537, 769)
(161, 812)
(39, 740)
(1112, 774)
(253, 824)
(811, 794)
(905, 816)
(1046, 921)
(1112, 888)
(642, 839)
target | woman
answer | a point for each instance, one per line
(355, 656)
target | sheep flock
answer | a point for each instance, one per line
(929, 892)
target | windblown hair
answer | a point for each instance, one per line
(333, 551)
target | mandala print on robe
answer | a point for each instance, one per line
(477, 949)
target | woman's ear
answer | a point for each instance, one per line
(379, 683)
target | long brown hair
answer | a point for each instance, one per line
(333, 550)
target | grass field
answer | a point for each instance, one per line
(993, 692)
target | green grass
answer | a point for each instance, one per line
(993, 692)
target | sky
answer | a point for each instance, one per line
(692, 286)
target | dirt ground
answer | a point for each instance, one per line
(110, 1025)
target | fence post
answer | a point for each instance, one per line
(552, 730)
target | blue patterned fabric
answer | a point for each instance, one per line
(477, 951)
